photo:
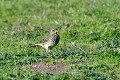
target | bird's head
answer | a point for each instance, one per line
(53, 31)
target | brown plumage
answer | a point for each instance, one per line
(49, 42)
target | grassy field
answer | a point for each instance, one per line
(89, 45)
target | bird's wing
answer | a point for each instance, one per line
(44, 40)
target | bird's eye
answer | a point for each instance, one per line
(53, 30)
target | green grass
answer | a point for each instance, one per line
(89, 31)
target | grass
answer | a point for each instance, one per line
(89, 31)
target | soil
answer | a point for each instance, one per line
(49, 68)
(52, 68)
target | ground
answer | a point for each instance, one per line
(89, 46)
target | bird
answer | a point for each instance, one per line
(50, 41)
(16, 30)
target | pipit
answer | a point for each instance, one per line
(49, 42)
(16, 30)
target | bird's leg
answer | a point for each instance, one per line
(48, 49)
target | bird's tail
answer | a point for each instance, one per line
(32, 45)
(36, 45)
